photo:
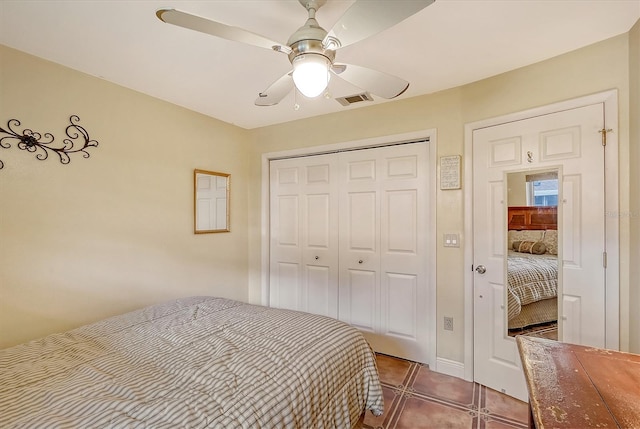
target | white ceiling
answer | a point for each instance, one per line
(450, 43)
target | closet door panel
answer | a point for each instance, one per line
(320, 237)
(362, 222)
(401, 308)
(404, 303)
(287, 281)
(362, 286)
(285, 270)
(287, 218)
(359, 242)
(401, 224)
(318, 221)
(318, 299)
(304, 232)
(360, 170)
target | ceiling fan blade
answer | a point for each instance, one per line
(276, 91)
(378, 83)
(204, 25)
(368, 17)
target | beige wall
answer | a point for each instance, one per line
(634, 212)
(113, 232)
(517, 189)
(596, 68)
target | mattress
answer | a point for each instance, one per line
(530, 278)
(538, 312)
(193, 363)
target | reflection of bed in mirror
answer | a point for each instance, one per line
(532, 266)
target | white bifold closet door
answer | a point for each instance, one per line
(349, 239)
(304, 234)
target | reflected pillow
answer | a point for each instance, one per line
(532, 247)
(551, 241)
(524, 235)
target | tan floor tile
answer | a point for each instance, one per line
(443, 386)
(392, 370)
(506, 406)
(418, 414)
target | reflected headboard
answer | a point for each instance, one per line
(533, 217)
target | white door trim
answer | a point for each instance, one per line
(429, 134)
(610, 100)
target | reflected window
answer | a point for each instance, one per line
(542, 189)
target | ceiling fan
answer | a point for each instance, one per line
(312, 50)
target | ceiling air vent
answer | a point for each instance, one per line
(351, 99)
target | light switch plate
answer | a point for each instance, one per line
(451, 240)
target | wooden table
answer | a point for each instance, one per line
(573, 386)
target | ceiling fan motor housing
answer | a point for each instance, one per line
(308, 38)
(310, 47)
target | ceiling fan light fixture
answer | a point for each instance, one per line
(311, 74)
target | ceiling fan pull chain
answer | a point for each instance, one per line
(296, 106)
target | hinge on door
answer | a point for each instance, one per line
(604, 259)
(604, 132)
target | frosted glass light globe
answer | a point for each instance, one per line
(311, 74)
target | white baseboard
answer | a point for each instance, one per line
(449, 367)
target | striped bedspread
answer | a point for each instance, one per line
(193, 363)
(530, 278)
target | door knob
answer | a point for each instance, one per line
(481, 269)
(360, 261)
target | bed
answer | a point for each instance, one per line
(193, 363)
(532, 266)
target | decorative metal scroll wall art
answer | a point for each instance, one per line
(77, 142)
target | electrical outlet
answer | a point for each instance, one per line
(448, 323)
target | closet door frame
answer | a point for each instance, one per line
(430, 135)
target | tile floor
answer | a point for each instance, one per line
(416, 398)
(544, 330)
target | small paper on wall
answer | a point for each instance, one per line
(450, 172)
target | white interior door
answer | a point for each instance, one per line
(304, 234)
(384, 238)
(569, 140)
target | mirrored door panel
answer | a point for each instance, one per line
(532, 277)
